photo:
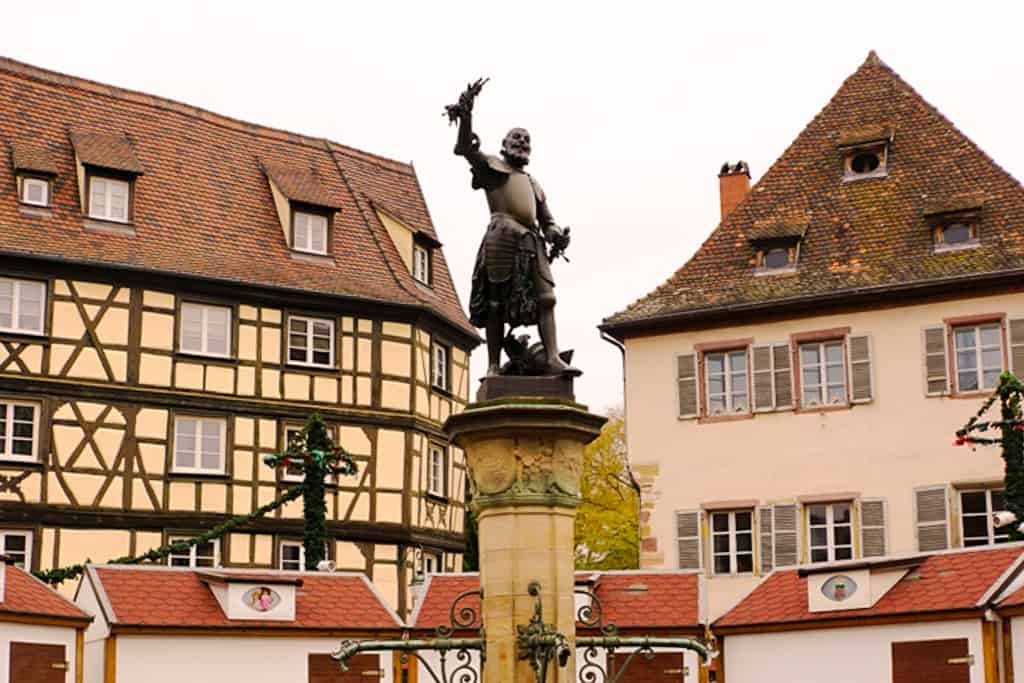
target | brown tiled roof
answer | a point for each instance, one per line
(629, 599)
(301, 185)
(204, 206)
(940, 583)
(861, 236)
(31, 156)
(176, 597)
(25, 595)
(106, 151)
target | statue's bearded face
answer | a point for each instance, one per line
(516, 147)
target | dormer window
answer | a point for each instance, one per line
(865, 152)
(309, 232)
(954, 222)
(35, 170)
(776, 246)
(421, 263)
(305, 206)
(109, 198)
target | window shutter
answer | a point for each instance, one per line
(783, 376)
(786, 539)
(764, 379)
(688, 533)
(1016, 329)
(931, 510)
(687, 384)
(936, 368)
(859, 350)
(872, 527)
(764, 517)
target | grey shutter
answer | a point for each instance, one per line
(764, 379)
(931, 509)
(1016, 329)
(688, 534)
(781, 358)
(764, 521)
(872, 528)
(861, 389)
(686, 368)
(786, 540)
(936, 368)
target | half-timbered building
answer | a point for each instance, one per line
(178, 291)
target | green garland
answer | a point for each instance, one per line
(58, 576)
(1010, 393)
(312, 451)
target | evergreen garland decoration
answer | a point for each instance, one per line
(59, 575)
(1010, 393)
(313, 453)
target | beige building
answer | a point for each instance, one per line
(792, 391)
(178, 291)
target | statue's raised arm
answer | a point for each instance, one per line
(467, 144)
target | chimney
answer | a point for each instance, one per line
(733, 185)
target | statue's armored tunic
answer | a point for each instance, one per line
(512, 268)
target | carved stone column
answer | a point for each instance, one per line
(525, 457)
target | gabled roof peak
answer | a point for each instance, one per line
(873, 59)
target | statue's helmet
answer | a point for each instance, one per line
(516, 146)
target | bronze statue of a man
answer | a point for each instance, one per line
(512, 282)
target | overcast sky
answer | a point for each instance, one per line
(632, 106)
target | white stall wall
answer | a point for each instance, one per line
(173, 659)
(26, 633)
(838, 655)
(1017, 639)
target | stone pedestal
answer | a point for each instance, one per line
(525, 456)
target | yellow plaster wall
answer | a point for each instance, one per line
(155, 370)
(247, 342)
(325, 389)
(153, 299)
(348, 556)
(296, 386)
(395, 358)
(394, 395)
(284, 212)
(67, 323)
(390, 458)
(100, 545)
(400, 235)
(188, 375)
(157, 330)
(113, 326)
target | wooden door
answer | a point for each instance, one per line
(931, 661)
(37, 663)
(361, 669)
(665, 666)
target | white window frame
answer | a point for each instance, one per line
(993, 535)
(28, 181)
(421, 263)
(309, 362)
(731, 533)
(729, 377)
(312, 221)
(196, 467)
(7, 421)
(439, 364)
(193, 555)
(108, 184)
(27, 535)
(435, 558)
(830, 531)
(204, 329)
(302, 555)
(16, 304)
(979, 354)
(437, 470)
(822, 366)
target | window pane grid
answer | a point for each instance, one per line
(205, 329)
(421, 264)
(310, 232)
(311, 341)
(436, 471)
(200, 555)
(823, 374)
(976, 523)
(726, 382)
(17, 545)
(199, 445)
(21, 306)
(35, 191)
(440, 368)
(293, 556)
(732, 542)
(18, 430)
(830, 532)
(108, 199)
(979, 356)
